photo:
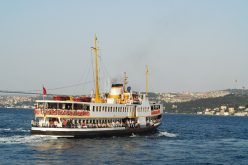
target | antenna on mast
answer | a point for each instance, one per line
(125, 81)
(147, 80)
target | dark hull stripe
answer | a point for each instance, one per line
(106, 133)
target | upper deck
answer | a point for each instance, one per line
(69, 109)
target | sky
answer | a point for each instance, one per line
(188, 45)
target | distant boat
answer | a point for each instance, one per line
(121, 112)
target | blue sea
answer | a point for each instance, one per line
(182, 139)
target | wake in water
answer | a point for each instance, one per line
(16, 130)
(159, 134)
(166, 134)
(18, 139)
(133, 135)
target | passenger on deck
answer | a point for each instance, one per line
(64, 124)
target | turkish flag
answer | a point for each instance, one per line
(44, 91)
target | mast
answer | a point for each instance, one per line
(95, 48)
(147, 80)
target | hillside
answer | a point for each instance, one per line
(231, 100)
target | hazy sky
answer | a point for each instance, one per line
(189, 45)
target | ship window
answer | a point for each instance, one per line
(93, 108)
(40, 105)
(52, 105)
(62, 106)
(75, 106)
(78, 106)
(68, 106)
(85, 107)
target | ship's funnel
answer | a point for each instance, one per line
(116, 89)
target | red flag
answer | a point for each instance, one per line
(44, 91)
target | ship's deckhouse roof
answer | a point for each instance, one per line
(74, 102)
(56, 101)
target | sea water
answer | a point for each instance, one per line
(181, 139)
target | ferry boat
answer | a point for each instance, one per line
(121, 112)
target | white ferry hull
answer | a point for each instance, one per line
(93, 132)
